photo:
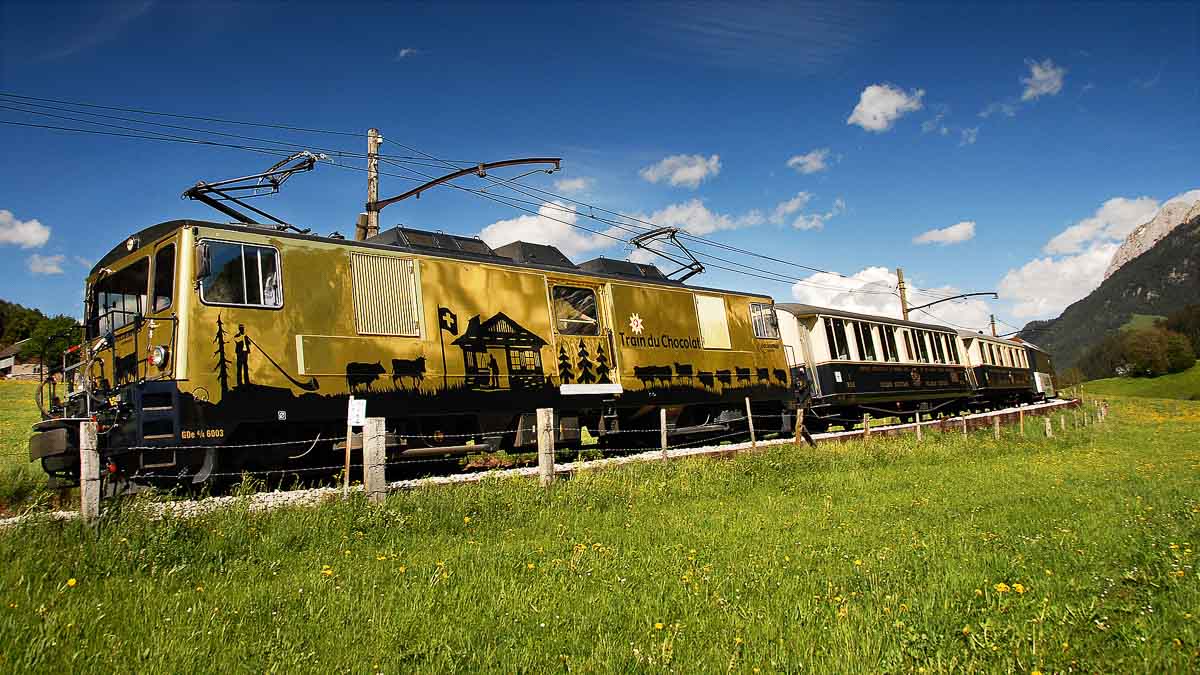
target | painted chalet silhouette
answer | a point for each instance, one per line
(519, 350)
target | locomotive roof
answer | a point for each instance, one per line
(797, 309)
(160, 230)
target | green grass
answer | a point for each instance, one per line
(886, 556)
(1185, 385)
(22, 483)
(1140, 321)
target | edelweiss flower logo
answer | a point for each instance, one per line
(635, 323)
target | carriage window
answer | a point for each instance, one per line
(888, 342)
(953, 342)
(835, 333)
(908, 346)
(714, 322)
(241, 274)
(164, 277)
(766, 324)
(575, 311)
(938, 352)
(119, 298)
(864, 341)
(922, 346)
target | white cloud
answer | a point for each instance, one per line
(693, 216)
(683, 170)
(1045, 79)
(812, 162)
(791, 210)
(46, 264)
(83, 261)
(936, 124)
(554, 225)
(873, 291)
(999, 108)
(573, 185)
(969, 136)
(406, 52)
(1043, 287)
(23, 233)
(1190, 197)
(954, 234)
(880, 105)
(1115, 219)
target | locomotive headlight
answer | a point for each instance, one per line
(158, 357)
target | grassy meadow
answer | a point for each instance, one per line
(22, 483)
(1069, 554)
(1185, 385)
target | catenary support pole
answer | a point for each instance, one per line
(750, 423)
(374, 459)
(903, 292)
(662, 430)
(545, 436)
(89, 472)
(374, 140)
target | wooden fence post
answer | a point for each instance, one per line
(750, 422)
(1049, 428)
(374, 459)
(1021, 420)
(866, 426)
(964, 424)
(920, 435)
(662, 429)
(996, 427)
(545, 436)
(89, 473)
(1062, 423)
(799, 425)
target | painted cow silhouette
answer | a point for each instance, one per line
(683, 370)
(361, 375)
(724, 376)
(706, 378)
(647, 374)
(413, 369)
(764, 374)
(743, 374)
(781, 375)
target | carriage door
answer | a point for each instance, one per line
(584, 351)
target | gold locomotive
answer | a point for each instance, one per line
(201, 335)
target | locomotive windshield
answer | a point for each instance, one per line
(118, 298)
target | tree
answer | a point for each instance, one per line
(602, 366)
(222, 368)
(1179, 352)
(1071, 377)
(1187, 322)
(1145, 352)
(50, 339)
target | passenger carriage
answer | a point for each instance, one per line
(1001, 372)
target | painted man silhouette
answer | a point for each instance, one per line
(241, 351)
(495, 368)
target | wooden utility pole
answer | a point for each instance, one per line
(370, 227)
(903, 293)
(993, 324)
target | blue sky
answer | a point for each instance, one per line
(830, 135)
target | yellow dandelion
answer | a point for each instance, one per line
(1002, 587)
(658, 625)
(857, 563)
(381, 557)
(71, 582)
(402, 569)
(347, 551)
(466, 519)
(1019, 588)
(1035, 672)
(966, 629)
(978, 592)
(529, 566)
(199, 589)
(326, 572)
(737, 640)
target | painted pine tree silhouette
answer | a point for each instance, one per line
(585, 365)
(602, 366)
(222, 368)
(565, 373)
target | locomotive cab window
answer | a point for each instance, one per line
(240, 274)
(164, 278)
(766, 324)
(575, 311)
(119, 298)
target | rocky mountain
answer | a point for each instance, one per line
(1145, 236)
(1161, 280)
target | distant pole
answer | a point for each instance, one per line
(371, 228)
(750, 423)
(545, 436)
(993, 324)
(903, 292)
(89, 472)
(662, 429)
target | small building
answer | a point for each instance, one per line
(13, 366)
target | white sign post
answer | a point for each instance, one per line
(356, 416)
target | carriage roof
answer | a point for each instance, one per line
(798, 310)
